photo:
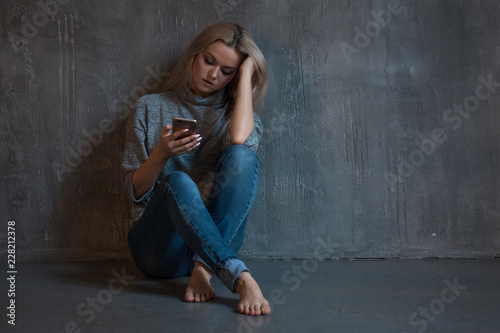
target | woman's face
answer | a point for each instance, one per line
(214, 68)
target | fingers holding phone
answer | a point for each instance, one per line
(183, 138)
(188, 125)
(185, 129)
(185, 141)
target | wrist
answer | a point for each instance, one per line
(245, 82)
(160, 155)
(246, 73)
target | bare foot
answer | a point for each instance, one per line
(199, 288)
(252, 302)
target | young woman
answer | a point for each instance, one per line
(192, 195)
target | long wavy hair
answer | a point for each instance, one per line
(234, 36)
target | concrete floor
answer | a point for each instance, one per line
(306, 296)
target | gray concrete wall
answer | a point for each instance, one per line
(382, 131)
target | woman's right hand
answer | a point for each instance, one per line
(144, 178)
(169, 145)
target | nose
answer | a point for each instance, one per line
(213, 73)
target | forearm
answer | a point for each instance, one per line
(145, 176)
(242, 121)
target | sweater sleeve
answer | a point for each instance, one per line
(135, 153)
(254, 138)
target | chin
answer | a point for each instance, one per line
(203, 92)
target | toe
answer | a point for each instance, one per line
(252, 311)
(189, 297)
(266, 309)
(257, 310)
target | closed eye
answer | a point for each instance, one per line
(209, 61)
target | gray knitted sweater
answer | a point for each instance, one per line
(155, 111)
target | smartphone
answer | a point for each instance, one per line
(182, 123)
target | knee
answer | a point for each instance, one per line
(178, 176)
(179, 179)
(241, 156)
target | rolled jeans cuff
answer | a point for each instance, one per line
(198, 259)
(229, 271)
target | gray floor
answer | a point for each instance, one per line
(306, 296)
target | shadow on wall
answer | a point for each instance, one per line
(91, 215)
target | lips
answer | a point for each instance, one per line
(208, 83)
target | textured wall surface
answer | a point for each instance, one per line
(382, 123)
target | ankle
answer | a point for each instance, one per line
(242, 280)
(202, 268)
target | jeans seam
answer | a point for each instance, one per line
(188, 223)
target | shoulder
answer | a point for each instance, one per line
(158, 98)
(152, 103)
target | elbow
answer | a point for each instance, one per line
(239, 137)
(238, 140)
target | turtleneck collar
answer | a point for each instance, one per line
(216, 99)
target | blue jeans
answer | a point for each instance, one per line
(177, 228)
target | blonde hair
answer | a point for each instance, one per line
(235, 36)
